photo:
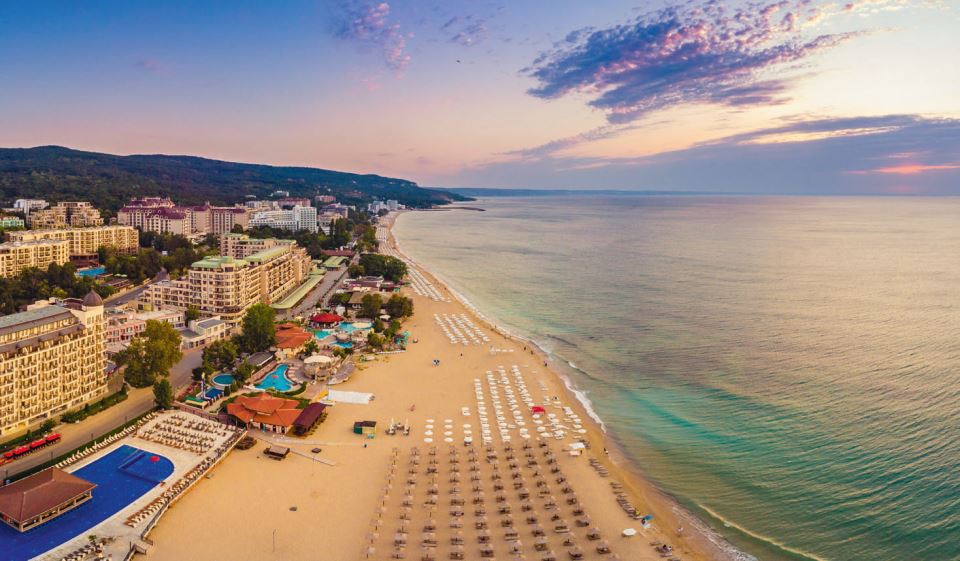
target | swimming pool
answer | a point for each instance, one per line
(322, 334)
(276, 380)
(222, 380)
(122, 476)
(345, 345)
(94, 272)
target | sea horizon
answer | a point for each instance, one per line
(585, 364)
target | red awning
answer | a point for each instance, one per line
(538, 409)
(326, 317)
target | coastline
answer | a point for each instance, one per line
(701, 541)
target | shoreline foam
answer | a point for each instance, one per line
(707, 541)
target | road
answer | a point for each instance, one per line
(319, 293)
(75, 435)
(127, 297)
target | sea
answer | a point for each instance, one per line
(787, 368)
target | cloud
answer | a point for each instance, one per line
(466, 30)
(370, 24)
(151, 65)
(693, 53)
(810, 156)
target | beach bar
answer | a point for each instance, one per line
(41, 497)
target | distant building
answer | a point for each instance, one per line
(19, 255)
(51, 359)
(290, 202)
(84, 242)
(325, 199)
(280, 193)
(390, 206)
(76, 214)
(11, 222)
(26, 206)
(297, 218)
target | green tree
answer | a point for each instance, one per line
(370, 306)
(311, 348)
(163, 393)
(150, 354)
(192, 313)
(375, 340)
(399, 306)
(221, 355)
(259, 331)
(243, 372)
(387, 266)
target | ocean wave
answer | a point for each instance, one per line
(760, 537)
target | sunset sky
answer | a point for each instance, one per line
(788, 97)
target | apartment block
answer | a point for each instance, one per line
(19, 255)
(75, 214)
(84, 242)
(51, 359)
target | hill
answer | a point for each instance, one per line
(56, 173)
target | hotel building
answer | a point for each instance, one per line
(160, 214)
(51, 359)
(17, 256)
(84, 242)
(248, 271)
(296, 218)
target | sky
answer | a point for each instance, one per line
(794, 96)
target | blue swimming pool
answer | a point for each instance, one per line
(223, 380)
(322, 334)
(276, 380)
(94, 272)
(122, 476)
(346, 345)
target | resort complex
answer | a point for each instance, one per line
(52, 358)
(247, 271)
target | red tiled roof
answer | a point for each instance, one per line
(291, 336)
(264, 408)
(34, 495)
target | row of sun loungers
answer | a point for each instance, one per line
(184, 482)
(520, 474)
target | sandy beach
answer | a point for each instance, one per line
(254, 508)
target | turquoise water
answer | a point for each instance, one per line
(347, 327)
(223, 379)
(788, 368)
(93, 272)
(322, 334)
(276, 380)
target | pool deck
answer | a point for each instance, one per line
(183, 462)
